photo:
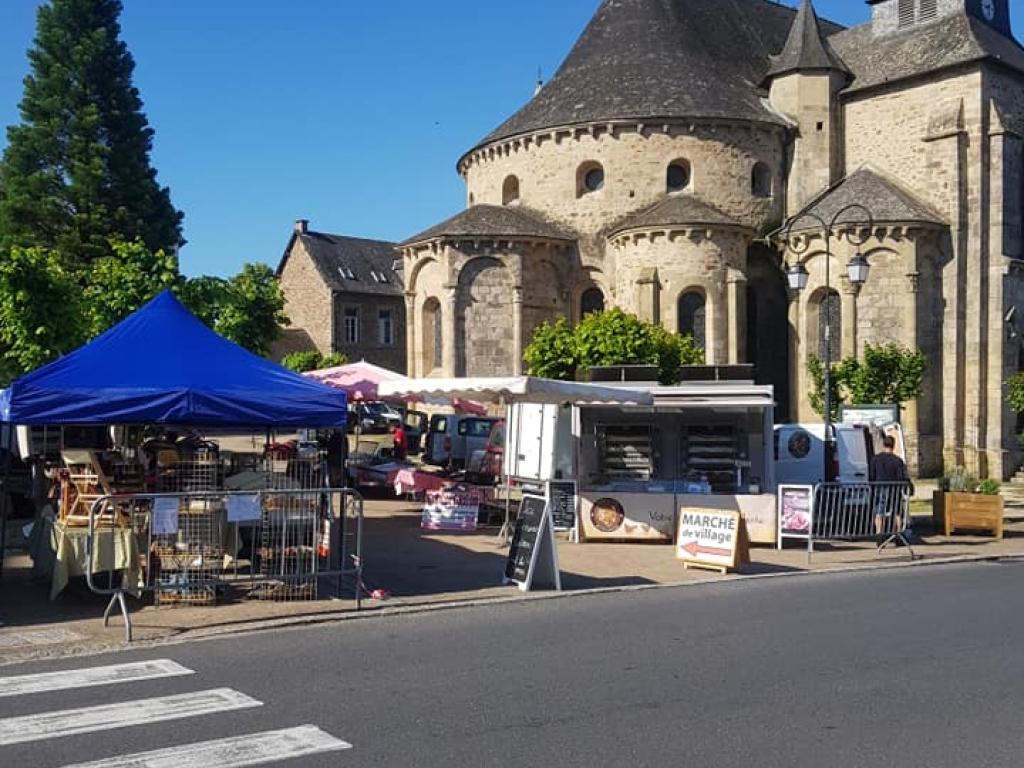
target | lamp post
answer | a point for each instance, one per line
(857, 271)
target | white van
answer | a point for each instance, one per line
(800, 454)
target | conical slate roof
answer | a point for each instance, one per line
(806, 49)
(675, 210)
(651, 59)
(499, 221)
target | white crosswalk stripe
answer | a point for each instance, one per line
(234, 752)
(20, 685)
(70, 722)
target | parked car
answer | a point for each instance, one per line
(485, 465)
(452, 438)
(416, 424)
(375, 417)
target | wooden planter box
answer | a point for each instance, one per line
(956, 511)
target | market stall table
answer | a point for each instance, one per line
(59, 552)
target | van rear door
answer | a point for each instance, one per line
(852, 446)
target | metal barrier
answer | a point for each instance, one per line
(187, 548)
(852, 511)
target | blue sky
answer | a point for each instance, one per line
(349, 114)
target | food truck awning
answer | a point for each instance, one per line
(715, 396)
(162, 365)
(516, 389)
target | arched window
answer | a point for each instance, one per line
(589, 178)
(591, 301)
(510, 190)
(761, 180)
(691, 317)
(829, 308)
(677, 177)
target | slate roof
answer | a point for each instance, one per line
(332, 253)
(953, 40)
(642, 59)
(888, 203)
(805, 48)
(500, 221)
(673, 210)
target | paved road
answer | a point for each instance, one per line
(908, 667)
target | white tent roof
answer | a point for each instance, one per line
(515, 389)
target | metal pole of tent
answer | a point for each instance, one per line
(5, 491)
(506, 529)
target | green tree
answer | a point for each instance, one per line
(300, 362)
(312, 360)
(1015, 392)
(253, 313)
(76, 171)
(608, 338)
(115, 286)
(247, 309)
(551, 353)
(888, 374)
(333, 360)
(41, 313)
(816, 395)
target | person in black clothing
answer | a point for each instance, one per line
(337, 454)
(887, 467)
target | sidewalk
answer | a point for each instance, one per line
(423, 570)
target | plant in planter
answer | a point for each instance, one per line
(965, 502)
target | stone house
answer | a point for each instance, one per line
(343, 294)
(657, 168)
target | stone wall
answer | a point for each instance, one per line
(671, 263)
(370, 346)
(484, 321)
(307, 305)
(635, 161)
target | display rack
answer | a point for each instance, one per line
(625, 452)
(712, 453)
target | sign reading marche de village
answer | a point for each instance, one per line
(532, 557)
(710, 538)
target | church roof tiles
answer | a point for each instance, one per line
(675, 210)
(497, 221)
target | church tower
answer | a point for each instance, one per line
(803, 82)
(894, 16)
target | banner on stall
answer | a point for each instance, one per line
(453, 509)
(532, 561)
(796, 512)
(712, 538)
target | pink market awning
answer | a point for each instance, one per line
(361, 382)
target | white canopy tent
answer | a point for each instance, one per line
(515, 389)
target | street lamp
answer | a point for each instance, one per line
(857, 271)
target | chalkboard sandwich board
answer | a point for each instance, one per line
(562, 494)
(532, 556)
(712, 539)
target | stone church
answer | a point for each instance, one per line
(657, 170)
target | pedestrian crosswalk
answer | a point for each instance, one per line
(236, 751)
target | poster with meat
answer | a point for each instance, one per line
(796, 512)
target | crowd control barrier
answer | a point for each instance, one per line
(857, 511)
(188, 548)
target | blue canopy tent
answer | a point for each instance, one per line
(161, 365)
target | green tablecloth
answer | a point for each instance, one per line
(58, 551)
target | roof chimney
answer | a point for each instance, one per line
(302, 226)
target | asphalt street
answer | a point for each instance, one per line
(904, 667)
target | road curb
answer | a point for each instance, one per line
(241, 629)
